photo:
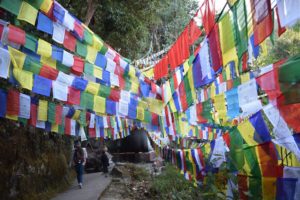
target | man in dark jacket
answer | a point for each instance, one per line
(104, 161)
(78, 159)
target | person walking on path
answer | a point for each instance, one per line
(104, 161)
(78, 159)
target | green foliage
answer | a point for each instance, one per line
(131, 26)
(172, 185)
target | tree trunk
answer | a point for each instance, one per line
(90, 11)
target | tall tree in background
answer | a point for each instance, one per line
(132, 27)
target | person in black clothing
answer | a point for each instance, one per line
(105, 162)
(78, 159)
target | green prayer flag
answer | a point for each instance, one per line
(81, 49)
(147, 116)
(240, 27)
(12, 6)
(87, 100)
(51, 112)
(104, 91)
(63, 68)
(23, 121)
(103, 49)
(31, 42)
(207, 108)
(236, 152)
(88, 37)
(31, 65)
(88, 69)
(236, 82)
(36, 3)
(82, 118)
(189, 96)
(127, 85)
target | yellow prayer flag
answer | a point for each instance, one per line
(227, 71)
(97, 43)
(131, 71)
(99, 104)
(149, 73)
(48, 61)
(134, 87)
(245, 77)
(220, 106)
(17, 57)
(191, 82)
(54, 128)
(186, 66)
(227, 41)
(92, 88)
(12, 117)
(91, 54)
(24, 78)
(97, 72)
(155, 106)
(140, 113)
(212, 90)
(231, 2)
(27, 13)
(143, 104)
(167, 92)
(42, 110)
(76, 115)
(172, 105)
(44, 48)
(46, 6)
(247, 132)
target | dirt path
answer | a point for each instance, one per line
(94, 185)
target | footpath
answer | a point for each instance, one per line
(94, 185)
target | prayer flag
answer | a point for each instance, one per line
(60, 91)
(4, 63)
(45, 24)
(48, 72)
(227, 40)
(207, 10)
(58, 33)
(110, 107)
(44, 48)
(24, 111)
(74, 96)
(42, 110)
(69, 41)
(78, 66)
(288, 12)
(81, 49)
(92, 88)
(13, 6)
(16, 35)
(215, 50)
(41, 85)
(27, 13)
(3, 103)
(24, 78)
(99, 104)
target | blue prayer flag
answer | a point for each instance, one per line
(262, 133)
(41, 85)
(110, 107)
(45, 24)
(3, 102)
(79, 83)
(101, 60)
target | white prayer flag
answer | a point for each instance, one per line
(68, 59)
(24, 111)
(60, 91)
(4, 63)
(58, 33)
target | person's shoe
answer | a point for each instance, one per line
(80, 185)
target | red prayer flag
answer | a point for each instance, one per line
(69, 41)
(48, 72)
(182, 93)
(199, 110)
(208, 15)
(33, 115)
(161, 68)
(281, 29)
(67, 126)
(16, 35)
(78, 29)
(215, 50)
(269, 83)
(13, 103)
(243, 187)
(92, 132)
(114, 94)
(155, 119)
(74, 96)
(58, 114)
(195, 32)
(291, 114)
(78, 66)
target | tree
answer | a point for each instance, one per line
(131, 26)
